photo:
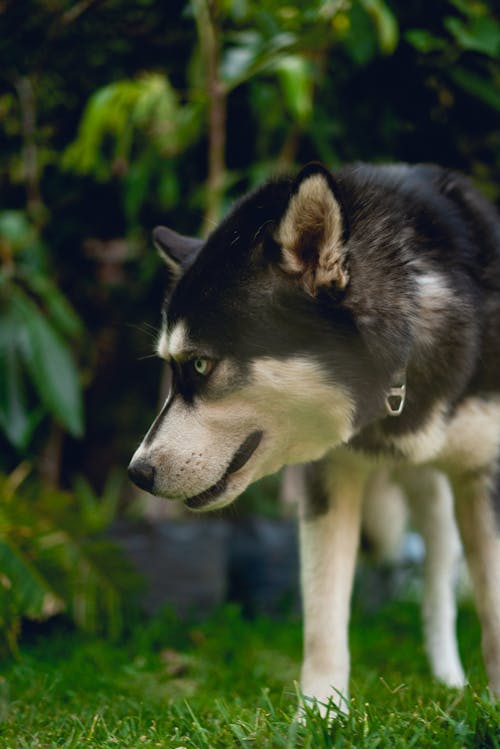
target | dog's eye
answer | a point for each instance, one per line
(202, 366)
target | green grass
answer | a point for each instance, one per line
(229, 682)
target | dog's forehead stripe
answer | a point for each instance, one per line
(162, 344)
(174, 342)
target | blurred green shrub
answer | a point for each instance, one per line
(54, 557)
(39, 328)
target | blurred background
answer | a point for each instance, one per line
(117, 115)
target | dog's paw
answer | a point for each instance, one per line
(451, 675)
(329, 704)
(446, 666)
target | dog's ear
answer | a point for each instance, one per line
(177, 251)
(311, 233)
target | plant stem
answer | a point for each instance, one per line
(205, 12)
(50, 460)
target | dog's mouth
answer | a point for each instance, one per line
(240, 458)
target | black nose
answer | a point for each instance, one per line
(142, 473)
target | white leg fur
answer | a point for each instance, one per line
(481, 540)
(329, 544)
(431, 502)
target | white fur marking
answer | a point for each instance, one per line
(427, 442)
(471, 439)
(162, 344)
(473, 435)
(311, 414)
(434, 298)
(433, 290)
(178, 340)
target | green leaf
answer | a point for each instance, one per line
(51, 367)
(482, 34)
(469, 7)
(16, 422)
(84, 580)
(60, 310)
(136, 185)
(424, 41)
(239, 59)
(126, 114)
(251, 55)
(360, 41)
(31, 593)
(385, 23)
(169, 189)
(16, 229)
(297, 82)
(479, 87)
(98, 511)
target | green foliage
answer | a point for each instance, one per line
(283, 56)
(479, 31)
(39, 326)
(134, 129)
(98, 510)
(53, 559)
(474, 30)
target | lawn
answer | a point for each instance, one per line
(231, 682)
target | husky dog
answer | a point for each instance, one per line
(340, 319)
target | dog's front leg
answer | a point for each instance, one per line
(329, 536)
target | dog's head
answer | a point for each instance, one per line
(268, 363)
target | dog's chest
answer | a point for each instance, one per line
(469, 439)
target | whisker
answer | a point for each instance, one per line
(150, 330)
(148, 326)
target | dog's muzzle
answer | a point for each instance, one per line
(143, 473)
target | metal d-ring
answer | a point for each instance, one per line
(395, 398)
